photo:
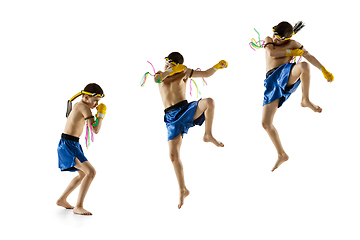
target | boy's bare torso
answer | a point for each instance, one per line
(75, 123)
(173, 90)
(272, 62)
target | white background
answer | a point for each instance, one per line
(49, 51)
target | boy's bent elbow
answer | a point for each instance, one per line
(96, 130)
(306, 54)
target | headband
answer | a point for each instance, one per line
(87, 93)
(171, 61)
(280, 37)
(69, 103)
(298, 26)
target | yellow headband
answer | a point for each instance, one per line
(282, 38)
(93, 94)
(87, 93)
(69, 103)
(171, 61)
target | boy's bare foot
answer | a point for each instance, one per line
(307, 103)
(281, 159)
(64, 203)
(81, 211)
(183, 195)
(210, 138)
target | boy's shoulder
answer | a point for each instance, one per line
(268, 38)
(291, 44)
(81, 107)
(295, 44)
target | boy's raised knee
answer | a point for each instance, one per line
(210, 102)
(305, 66)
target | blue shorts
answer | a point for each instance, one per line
(275, 84)
(180, 117)
(69, 148)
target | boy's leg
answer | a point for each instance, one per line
(90, 172)
(207, 106)
(174, 152)
(269, 111)
(302, 71)
(73, 184)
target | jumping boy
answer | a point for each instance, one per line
(71, 156)
(283, 77)
(181, 115)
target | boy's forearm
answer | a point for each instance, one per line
(160, 76)
(203, 74)
(312, 60)
(165, 75)
(209, 72)
(277, 53)
(96, 128)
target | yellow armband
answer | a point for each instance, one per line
(294, 52)
(176, 69)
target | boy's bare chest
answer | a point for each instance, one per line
(272, 62)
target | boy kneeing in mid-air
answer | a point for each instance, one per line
(283, 77)
(71, 155)
(181, 115)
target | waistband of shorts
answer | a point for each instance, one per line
(270, 72)
(176, 106)
(69, 137)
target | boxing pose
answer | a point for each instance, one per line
(283, 78)
(70, 153)
(181, 115)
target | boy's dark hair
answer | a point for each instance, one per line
(90, 88)
(284, 29)
(93, 88)
(176, 57)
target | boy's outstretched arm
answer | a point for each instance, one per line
(328, 76)
(311, 59)
(208, 73)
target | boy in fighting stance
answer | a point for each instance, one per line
(71, 155)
